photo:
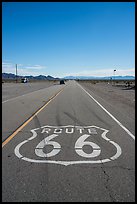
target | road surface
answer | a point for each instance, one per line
(66, 143)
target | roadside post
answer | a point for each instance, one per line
(114, 75)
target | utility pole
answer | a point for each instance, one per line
(16, 73)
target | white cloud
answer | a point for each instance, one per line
(8, 67)
(103, 72)
(23, 70)
(36, 67)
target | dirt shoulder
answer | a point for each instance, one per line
(122, 98)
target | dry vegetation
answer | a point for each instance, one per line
(122, 83)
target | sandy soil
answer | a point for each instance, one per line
(120, 97)
(11, 90)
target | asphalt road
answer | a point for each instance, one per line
(12, 90)
(74, 149)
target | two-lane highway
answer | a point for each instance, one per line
(71, 150)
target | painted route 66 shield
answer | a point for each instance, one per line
(68, 145)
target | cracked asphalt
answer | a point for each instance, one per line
(73, 149)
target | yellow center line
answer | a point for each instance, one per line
(25, 123)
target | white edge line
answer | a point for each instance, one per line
(120, 124)
(23, 95)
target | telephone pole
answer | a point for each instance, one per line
(16, 73)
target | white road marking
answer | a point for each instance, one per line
(22, 95)
(78, 145)
(119, 123)
(81, 142)
(28, 120)
(56, 147)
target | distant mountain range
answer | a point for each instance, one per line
(43, 77)
(101, 78)
(40, 77)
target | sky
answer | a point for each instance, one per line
(68, 38)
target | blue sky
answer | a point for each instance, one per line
(63, 39)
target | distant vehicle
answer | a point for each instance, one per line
(24, 80)
(62, 82)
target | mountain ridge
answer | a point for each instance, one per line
(48, 77)
(40, 77)
(106, 77)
